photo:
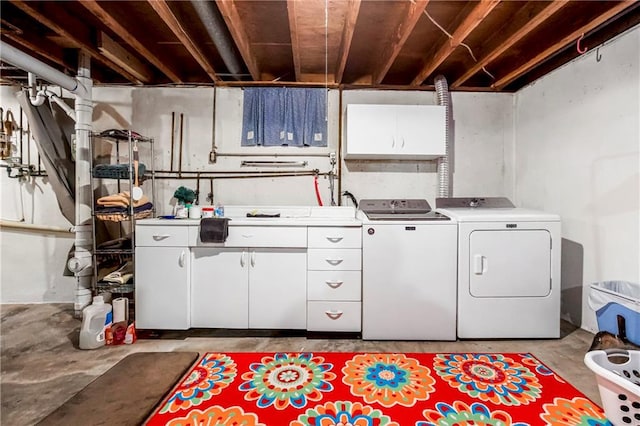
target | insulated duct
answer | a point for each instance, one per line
(217, 30)
(445, 187)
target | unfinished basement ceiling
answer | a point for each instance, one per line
(368, 43)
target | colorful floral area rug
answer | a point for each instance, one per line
(367, 389)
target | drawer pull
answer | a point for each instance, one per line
(334, 315)
(334, 284)
(247, 235)
(334, 262)
(160, 237)
(335, 239)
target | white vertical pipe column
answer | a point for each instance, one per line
(83, 258)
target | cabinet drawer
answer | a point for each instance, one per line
(162, 236)
(334, 285)
(330, 237)
(257, 236)
(334, 316)
(334, 259)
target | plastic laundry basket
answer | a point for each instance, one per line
(617, 303)
(618, 376)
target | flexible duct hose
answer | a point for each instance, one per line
(444, 174)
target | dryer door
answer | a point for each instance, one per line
(510, 263)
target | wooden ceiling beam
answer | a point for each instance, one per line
(72, 29)
(531, 25)
(231, 16)
(477, 15)
(400, 35)
(99, 12)
(556, 47)
(122, 57)
(295, 42)
(171, 20)
(350, 19)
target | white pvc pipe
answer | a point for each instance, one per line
(62, 104)
(82, 258)
(36, 98)
(28, 63)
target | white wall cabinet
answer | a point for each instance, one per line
(395, 132)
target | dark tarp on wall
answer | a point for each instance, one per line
(52, 137)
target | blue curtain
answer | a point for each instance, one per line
(284, 117)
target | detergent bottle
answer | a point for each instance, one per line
(95, 319)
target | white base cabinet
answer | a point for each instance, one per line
(277, 288)
(261, 277)
(219, 288)
(334, 279)
(162, 288)
(248, 288)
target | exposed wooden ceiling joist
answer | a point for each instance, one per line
(556, 47)
(164, 11)
(295, 41)
(531, 25)
(230, 14)
(99, 12)
(70, 28)
(400, 35)
(482, 9)
(347, 35)
(119, 55)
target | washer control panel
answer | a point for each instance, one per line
(395, 206)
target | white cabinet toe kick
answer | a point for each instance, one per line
(298, 277)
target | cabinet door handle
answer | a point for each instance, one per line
(181, 259)
(334, 284)
(242, 258)
(160, 237)
(253, 258)
(334, 262)
(334, 315)
(393, 142)
(335, 239)
(402, 146)
(479, 264)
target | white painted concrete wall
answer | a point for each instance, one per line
(577, 154)
(483, 127)
(32, 263)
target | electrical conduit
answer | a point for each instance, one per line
(444, 173)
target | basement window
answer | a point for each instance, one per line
(283, 116)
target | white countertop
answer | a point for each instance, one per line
(289, 216)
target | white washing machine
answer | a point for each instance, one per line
(408, 271)
(508, 269)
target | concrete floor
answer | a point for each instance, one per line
(42, 366)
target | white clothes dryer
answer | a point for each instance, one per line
(508, 269)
